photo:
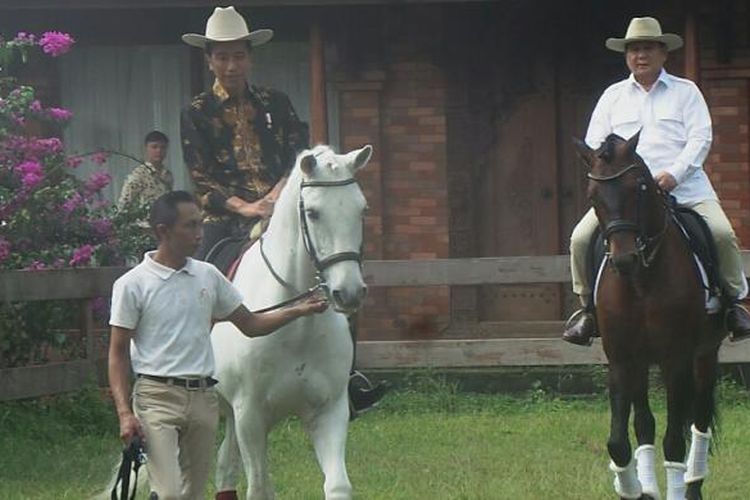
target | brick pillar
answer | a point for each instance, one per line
(728, 164)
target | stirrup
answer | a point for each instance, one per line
(358, 375)
(364, 386)
(739, 305)
(575, 316)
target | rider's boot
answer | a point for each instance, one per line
(363, 395)
(580, 329)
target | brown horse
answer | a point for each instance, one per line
(650, 309)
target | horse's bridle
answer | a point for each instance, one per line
(329, 260)
(321, 264)
(646, 246)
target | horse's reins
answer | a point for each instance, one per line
(320, 264)
(643, 241)
(133, 456)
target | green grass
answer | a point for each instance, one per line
(428, 441)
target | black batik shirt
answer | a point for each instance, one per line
(239, 146)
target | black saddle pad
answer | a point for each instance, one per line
(225, 252)
(698, 237)
(702, 244)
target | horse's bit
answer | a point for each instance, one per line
(321, 264)
(643, 241)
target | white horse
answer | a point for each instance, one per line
(303, 368)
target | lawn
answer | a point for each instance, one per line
(427, 441)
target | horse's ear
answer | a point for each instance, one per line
(585, 153)
(361, 157)
(308, 164)
(632, 143)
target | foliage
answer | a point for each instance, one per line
(49, 218)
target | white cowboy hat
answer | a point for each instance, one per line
(227, 25)
(644, 29)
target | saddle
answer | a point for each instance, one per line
(698, 236)
(227, 253)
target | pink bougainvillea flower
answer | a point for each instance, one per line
(97, 181)
(102, 227)
(25, 38)
(59, 114)
(72, 203)
(82, 256)
(100, 157)
(35, 106)
(55, 43)
(73, 161)
(31, 173)
(33, 147)
(31, 180)
(36, 266)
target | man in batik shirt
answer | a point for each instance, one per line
(240, 142)
(152, 178)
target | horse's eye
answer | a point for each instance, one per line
(312, 214)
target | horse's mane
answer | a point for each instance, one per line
(290, 193)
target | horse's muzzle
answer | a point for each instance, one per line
(347, 300)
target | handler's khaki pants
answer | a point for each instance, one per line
(731, 267)
(180, 430)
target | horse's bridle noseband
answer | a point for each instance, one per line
(646, 246)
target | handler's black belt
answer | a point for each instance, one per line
(187, 383)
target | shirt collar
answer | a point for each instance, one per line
(221, 93)
(163, 271)
(664, 77)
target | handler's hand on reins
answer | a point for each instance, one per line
(313, 304)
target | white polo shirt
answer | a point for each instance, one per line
(675, 129)
(171, 312)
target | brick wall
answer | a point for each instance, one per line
(398, 104)
(725, 81)
(728, 163)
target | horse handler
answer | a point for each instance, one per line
(675, 138)
(162, 313)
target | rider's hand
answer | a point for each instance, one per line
(129, 427)
(262, 208)
(312, 305)
(666, 181)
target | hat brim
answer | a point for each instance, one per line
(671, 40)
(257, 37)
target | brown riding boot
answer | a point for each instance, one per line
(738, 322)
(583, 331)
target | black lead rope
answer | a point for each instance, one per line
(133, 456)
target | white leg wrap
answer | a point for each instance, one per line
(626, 480)
(697, 462)
(676, 487)
(645, 458)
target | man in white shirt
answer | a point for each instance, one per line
(674, 142)
(162, 312)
